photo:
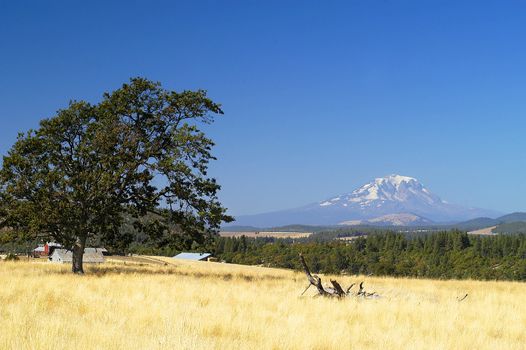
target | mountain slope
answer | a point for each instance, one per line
(393, 194)
(511, 227)
(513, 217)
(400, 219)
(476, 223)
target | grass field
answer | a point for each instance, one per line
(201, 305)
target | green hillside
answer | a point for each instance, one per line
(513, 217)
(477, 223)
(511, 228)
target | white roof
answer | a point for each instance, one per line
(38, 249)
(95, 250)
(192, 256)
(89, 256)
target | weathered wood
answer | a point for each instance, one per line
(313, 279)
(360, 291)
(336, 290)
(349, 289)
(307, 271)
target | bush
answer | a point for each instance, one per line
(11, 257)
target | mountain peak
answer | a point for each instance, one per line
(393, 199)
(391, 188)
(395, 179)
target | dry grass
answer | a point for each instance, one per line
(187, 305)
(484, 231)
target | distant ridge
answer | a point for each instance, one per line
(504, 224)
(511, 227)
(513, 217)
(509, 223)
(476, 223)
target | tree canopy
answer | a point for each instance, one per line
(443, 255)
(139, 154)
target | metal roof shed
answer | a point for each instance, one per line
(193, 256)
(91, 256)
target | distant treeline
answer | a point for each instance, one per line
(442, 255)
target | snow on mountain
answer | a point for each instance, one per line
(389, 195)
(392, 188)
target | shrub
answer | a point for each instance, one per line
(11, 257)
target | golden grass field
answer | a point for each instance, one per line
(200, 305)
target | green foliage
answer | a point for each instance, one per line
(443, 255)
(11, 257)
(90, 167)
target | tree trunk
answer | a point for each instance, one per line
(78, 254)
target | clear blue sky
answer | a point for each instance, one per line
(319, 97)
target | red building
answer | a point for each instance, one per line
(45, 249)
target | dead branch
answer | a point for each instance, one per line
(313, 279)
(336, 290)
(463, 298)
(360, 292)
(306, 289)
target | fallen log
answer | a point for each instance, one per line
(336, 291)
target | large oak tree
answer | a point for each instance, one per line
(137, 152)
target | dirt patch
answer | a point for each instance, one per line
(488, 231)
(135, 260)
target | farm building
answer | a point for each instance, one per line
(193, 256)
(91, 256)
(39, 251)
(45, 249)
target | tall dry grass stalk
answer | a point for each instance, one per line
(217, 306)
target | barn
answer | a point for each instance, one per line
(49, 247)
(45, 249)
(91, 256)
(193, 256)
(39, 251)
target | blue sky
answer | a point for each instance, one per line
(319, 97)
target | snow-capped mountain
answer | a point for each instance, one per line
(387, 191)
(389, 195)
